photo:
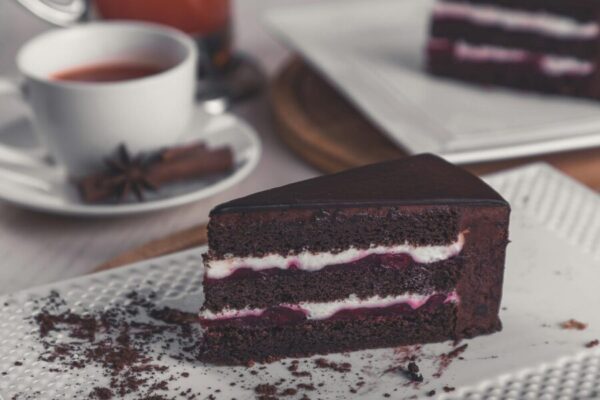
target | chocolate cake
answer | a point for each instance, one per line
(396, 253)
(544, 45)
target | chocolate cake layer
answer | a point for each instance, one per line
(239, 344)
(406, 200)
(258, 233)
(581, 10)
(373, 275)
(455, 29)
(522, 75)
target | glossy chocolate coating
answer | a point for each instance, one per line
(423, 179)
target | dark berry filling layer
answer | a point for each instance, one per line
(456, 29)
(523, 75)
(377, 274)
(281, 316)
(237, 344)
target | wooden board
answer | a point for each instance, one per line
(326, 130)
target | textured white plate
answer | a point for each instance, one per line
(373, 51)
(552, 275)
(215, 131)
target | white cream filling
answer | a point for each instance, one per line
(325, 310)
(541, 22)
(564, 65)
(549, 64)
(309, 261)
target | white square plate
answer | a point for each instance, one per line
(373, 51)
(552, 275)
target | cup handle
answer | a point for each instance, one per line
(64, 13)
(9, 154)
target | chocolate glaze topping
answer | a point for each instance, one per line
(422, 179)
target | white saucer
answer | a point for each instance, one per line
(63, 198)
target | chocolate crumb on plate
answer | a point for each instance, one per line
(592, 343)
(446, 359)
(306, 386)
(326, 364)
(411, 372)
(448, 389)
(265, 388)
(120, 342)
(101, 393)
(573, 324)
(289, 392)
(431, 393)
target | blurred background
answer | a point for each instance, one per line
(326, 86)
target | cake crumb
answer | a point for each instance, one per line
(447, 358)
(265, 388)
(289, 392)
(124, 350)
(326, 364)
(411, 372)
(592, 343)
(306, 386)
(573, 324)
(301, 374)
(448, 389)
(431, 393)
(101, 393)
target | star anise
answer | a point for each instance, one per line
(129, 174)
(149, 171)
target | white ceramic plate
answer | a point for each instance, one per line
(552, 274)
(373, 51)
(63, 198)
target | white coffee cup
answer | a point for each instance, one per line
(82, 123)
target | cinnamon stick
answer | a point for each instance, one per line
(190, 165)
(150, 173)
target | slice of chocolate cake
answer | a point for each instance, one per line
(402, 252)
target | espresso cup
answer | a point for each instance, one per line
(81, 123)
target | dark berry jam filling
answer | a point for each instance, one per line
(281, 316)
